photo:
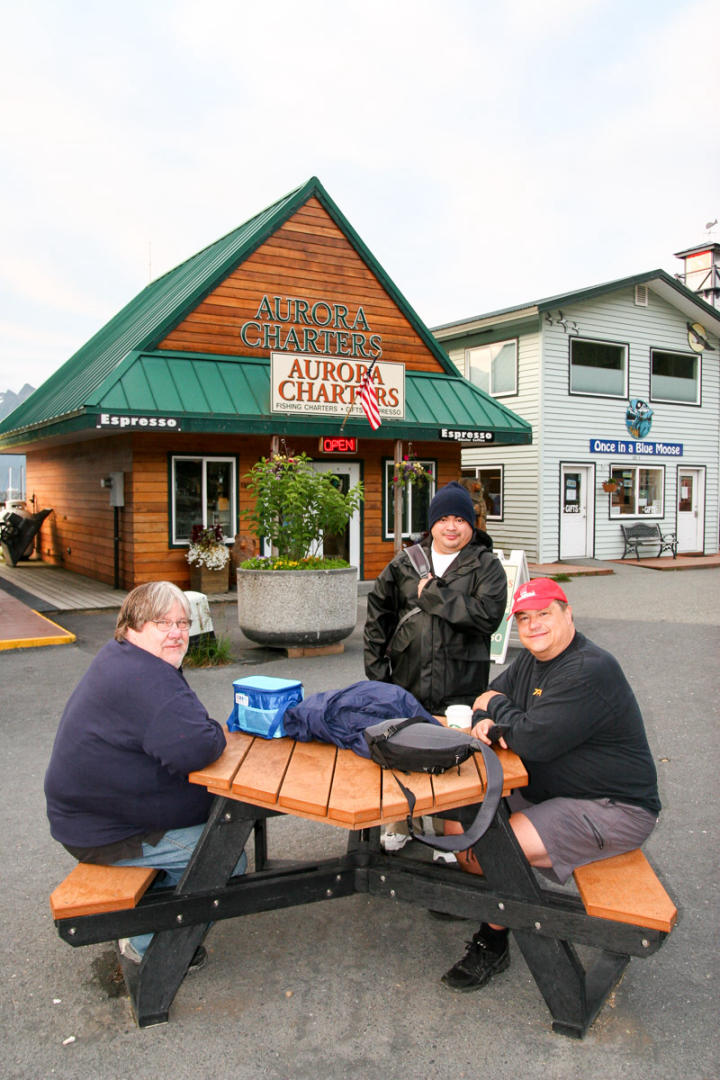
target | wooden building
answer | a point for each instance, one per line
(266, 334)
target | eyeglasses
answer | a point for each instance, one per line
(165, 625)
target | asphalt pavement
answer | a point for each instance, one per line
(351, 988)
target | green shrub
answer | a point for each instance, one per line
(209, 652)
(275, 562)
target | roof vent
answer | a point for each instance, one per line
(641, 296)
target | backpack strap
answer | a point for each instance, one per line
(483, 818)
(417, 555)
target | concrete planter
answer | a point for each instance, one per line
(297, 607)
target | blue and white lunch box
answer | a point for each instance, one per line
(260, 704)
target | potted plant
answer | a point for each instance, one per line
(296, 597)
(208, 557)
(610, 485)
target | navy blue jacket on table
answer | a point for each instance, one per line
(576, 725)
(128, 737)
(436, 645)
(341, 716)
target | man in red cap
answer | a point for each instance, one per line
(565, 707)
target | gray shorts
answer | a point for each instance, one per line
(579, 831)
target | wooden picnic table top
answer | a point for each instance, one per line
(322, 782)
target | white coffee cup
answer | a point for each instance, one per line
(459, 716)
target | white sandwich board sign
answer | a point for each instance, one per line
(516, 568)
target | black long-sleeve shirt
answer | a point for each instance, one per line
(576, 725)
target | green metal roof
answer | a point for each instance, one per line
(120, 371)
(232, 395)
(660, 281)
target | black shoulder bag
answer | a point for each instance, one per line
(412, 744)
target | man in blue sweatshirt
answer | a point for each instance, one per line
(565, 707)
(116, 787)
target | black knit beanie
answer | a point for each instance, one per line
(453, 500)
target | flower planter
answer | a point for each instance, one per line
(209, 581)
(297, 607)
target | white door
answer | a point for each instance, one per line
(576, 512)
(690, 503)
(346, 545)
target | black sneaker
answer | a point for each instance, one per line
(477, 966)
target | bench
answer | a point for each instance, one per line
(89, 889)
(626, 889)
(623, 888)
(642, 533)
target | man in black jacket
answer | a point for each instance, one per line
(431, 634)
(429, 631)
(565, 707)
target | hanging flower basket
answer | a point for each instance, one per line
(411, 472)
(610, 486)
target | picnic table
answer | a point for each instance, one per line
(256, 779)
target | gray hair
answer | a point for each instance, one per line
(147, 603)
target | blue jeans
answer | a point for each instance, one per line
(171, 854)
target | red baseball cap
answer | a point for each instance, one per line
(537, 594)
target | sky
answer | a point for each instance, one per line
(488, 152)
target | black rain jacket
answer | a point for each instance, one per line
(436, 646)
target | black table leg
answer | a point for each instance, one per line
(573, 996)
(154, 983)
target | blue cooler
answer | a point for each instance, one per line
(260, 704)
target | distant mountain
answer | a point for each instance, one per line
(10, 400)
(12, 466)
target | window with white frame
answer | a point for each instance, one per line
(202, 493)
(640, 491)
(485, 483)
(493, 367)
(674, 377)
(415, 503)
(598, 367)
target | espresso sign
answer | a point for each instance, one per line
(330, 385)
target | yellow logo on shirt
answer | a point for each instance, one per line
(537, 692)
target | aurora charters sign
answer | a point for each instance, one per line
(293, 324)
(330, 385)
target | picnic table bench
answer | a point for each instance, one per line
(636, 536)
(622, 911)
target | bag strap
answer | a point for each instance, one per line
(418, 557)
(483, 818)
(408, 615)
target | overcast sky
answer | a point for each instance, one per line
(488, 153)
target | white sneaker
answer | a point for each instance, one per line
(128, 950)
(443, 856)
(393, 841)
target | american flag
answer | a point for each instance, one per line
(368, 398)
